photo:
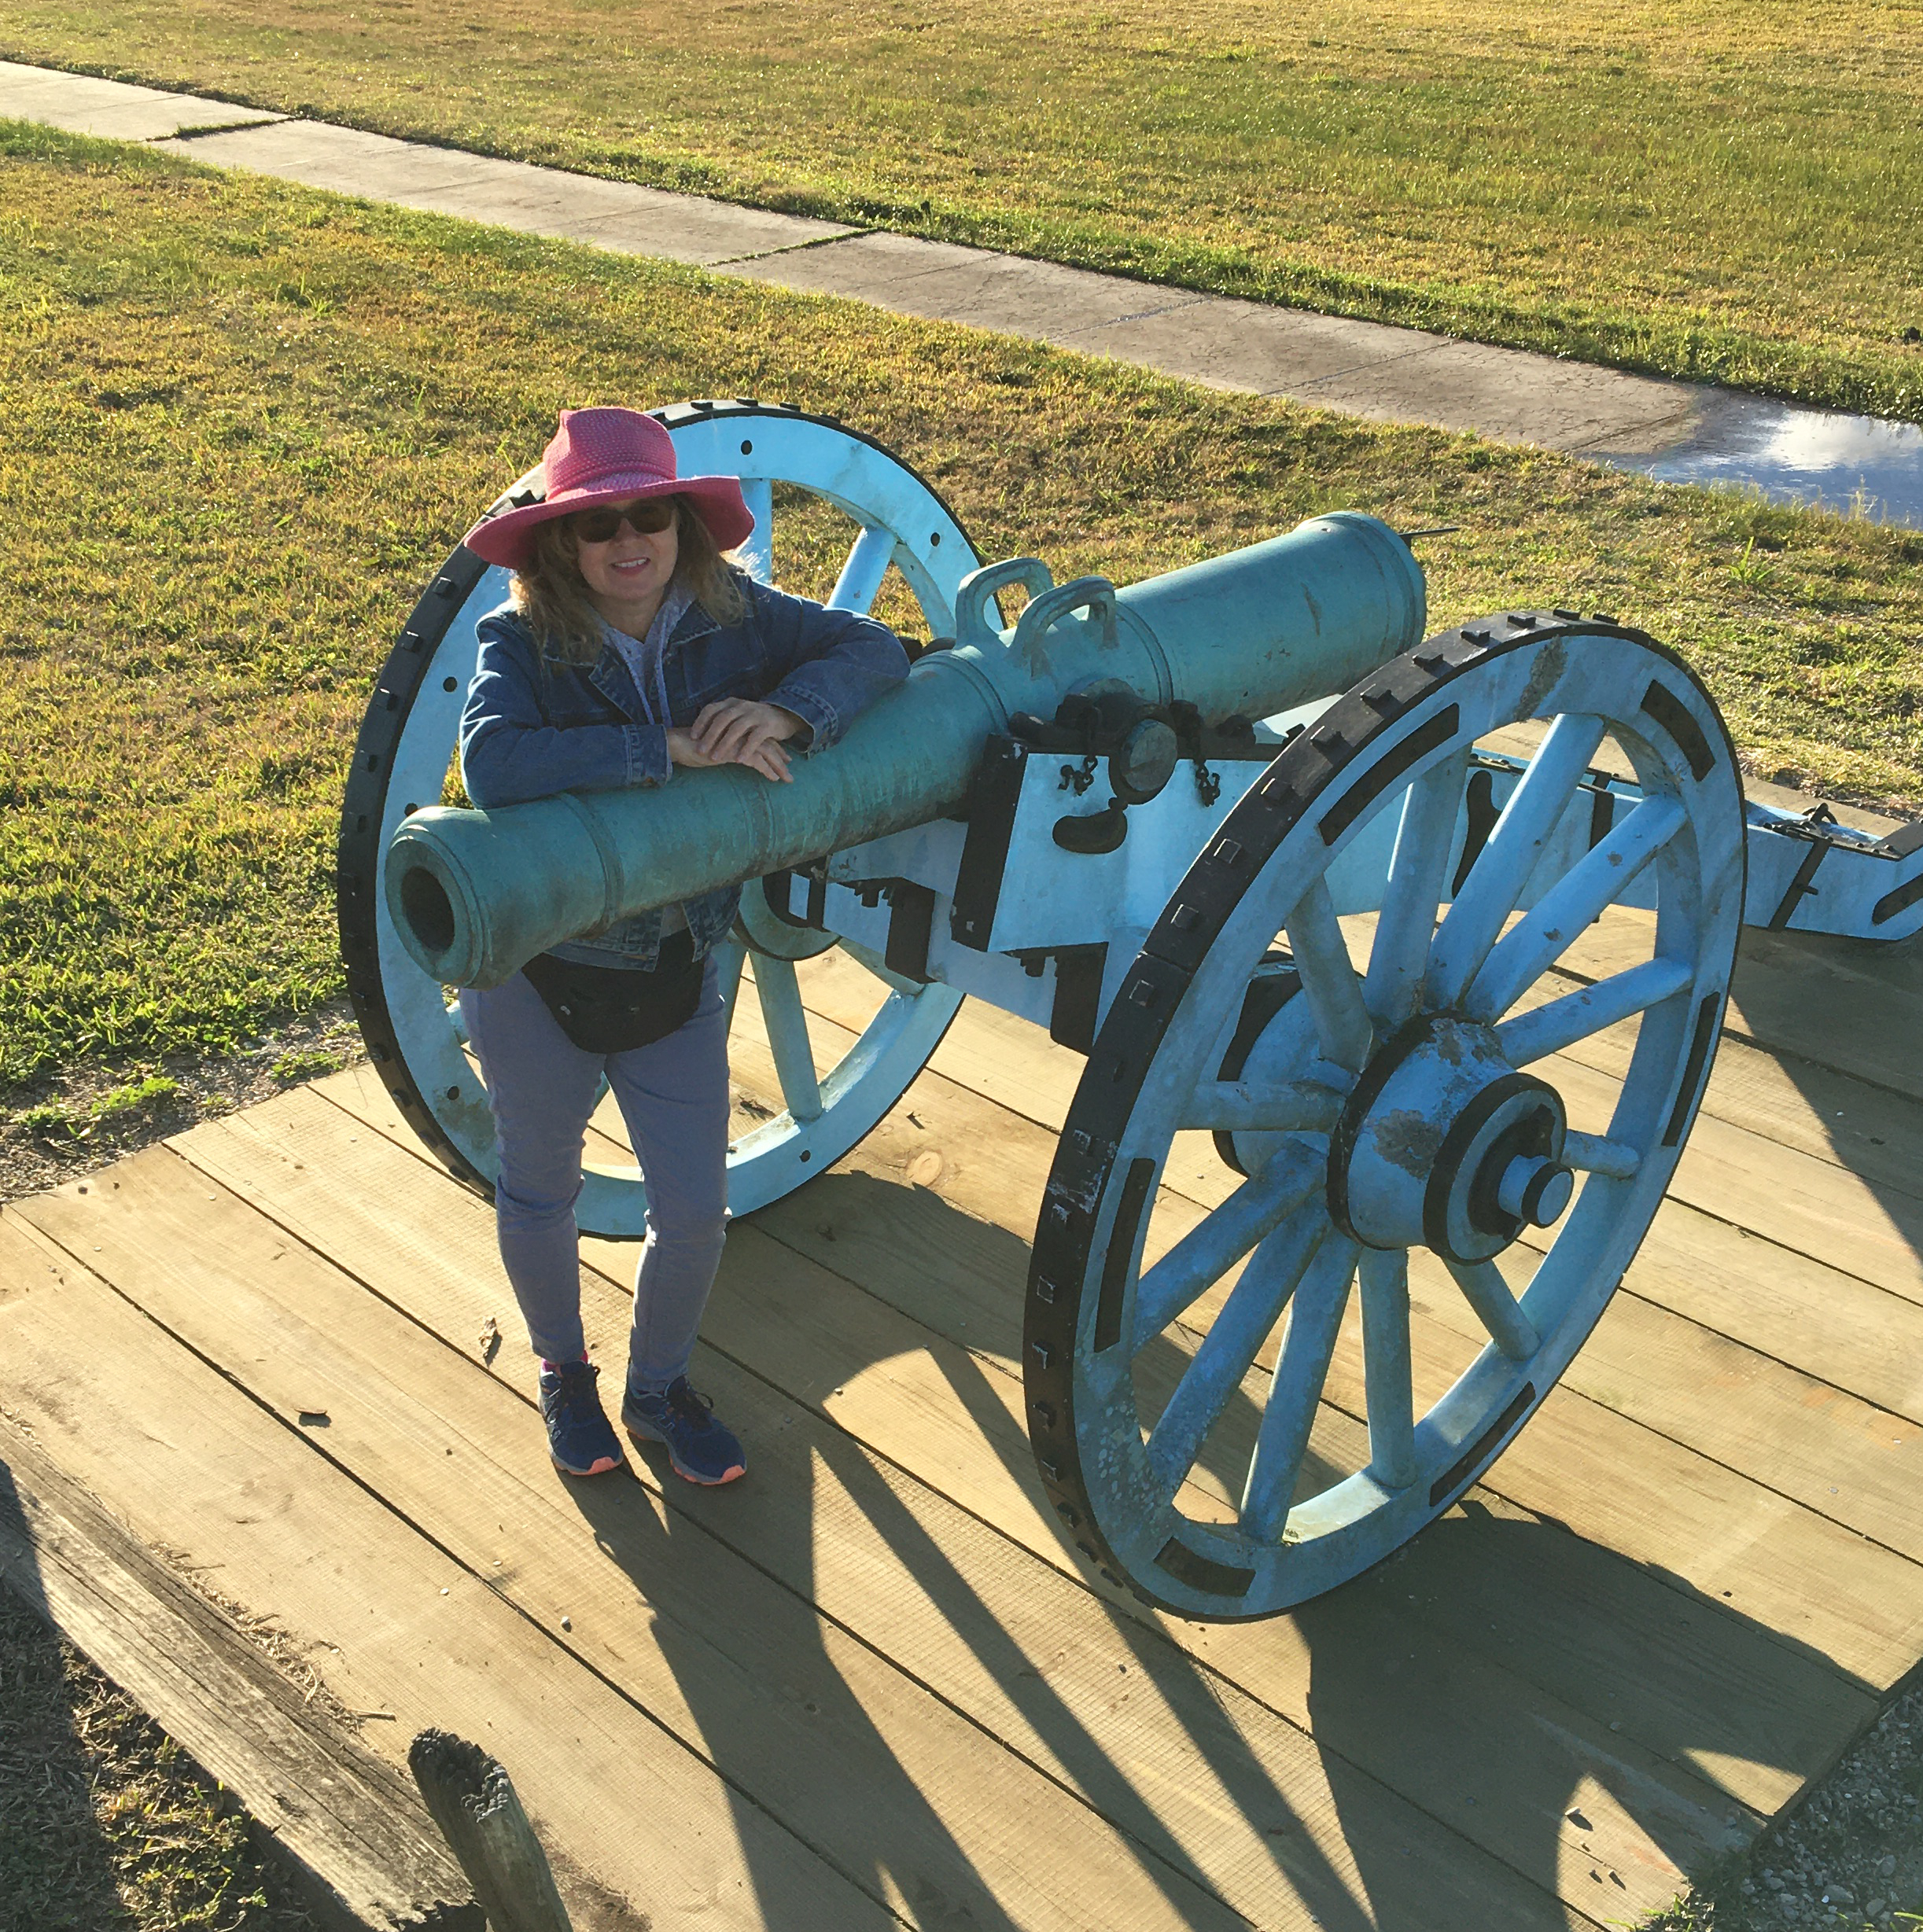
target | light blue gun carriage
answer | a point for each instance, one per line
(1295, 878)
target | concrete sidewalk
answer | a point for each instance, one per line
(1678, 431)
(111, 108)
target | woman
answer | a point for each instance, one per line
(632, 646)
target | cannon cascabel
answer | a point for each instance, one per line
(475, 895)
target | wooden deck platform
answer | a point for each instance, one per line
(871, 1685)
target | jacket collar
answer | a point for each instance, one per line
(612, 678)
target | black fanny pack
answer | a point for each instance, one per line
(615, 1009)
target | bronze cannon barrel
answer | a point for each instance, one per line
(474, 895)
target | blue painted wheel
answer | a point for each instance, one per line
(402, 762)
(1239, 1399)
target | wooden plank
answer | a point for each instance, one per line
(1425, 1745)
(1769, 1708)
(1852, 1005)
(1875, 1135)
(966, 1282)
(795, 1341)
(1763, 1720)
(1831, 1327)
(1816, 1445)
(1809, 993)
(1836, 1117)
(962, 1276)
(1867, 1217)
(1805, 1201)
(1184, 1763)
(187, 1460)
(353, 1833)
(1444, 1349)
(1838, 1456)
(1810, 1206)
(922, 1806)
(1007, 1060)
(1819, 1323)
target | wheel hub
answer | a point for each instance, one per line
(1444, 1145)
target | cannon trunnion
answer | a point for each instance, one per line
(1396, 1004)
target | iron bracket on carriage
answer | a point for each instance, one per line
(1331, 905)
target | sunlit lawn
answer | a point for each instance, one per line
(1730, 189)
(242, 424)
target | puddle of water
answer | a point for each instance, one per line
(1860, 465)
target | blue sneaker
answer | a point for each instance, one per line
(700, 1448)
(579, 1437)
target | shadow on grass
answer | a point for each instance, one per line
(105, 1824)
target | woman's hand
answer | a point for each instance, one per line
(737, 731)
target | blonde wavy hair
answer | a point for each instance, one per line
(552, 598)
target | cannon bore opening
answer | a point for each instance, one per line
(428, 911)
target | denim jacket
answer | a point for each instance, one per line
(534, 725)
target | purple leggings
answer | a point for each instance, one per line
(673, 1095)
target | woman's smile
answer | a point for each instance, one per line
(628, 574)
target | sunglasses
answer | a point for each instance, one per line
(649, 517)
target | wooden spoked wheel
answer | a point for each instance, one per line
(1243, 1390)
(892, 519)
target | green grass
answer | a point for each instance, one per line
(1729, 190)
(240, 424)
(118, 1106)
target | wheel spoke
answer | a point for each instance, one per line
(1502, 868)
(1496, 1308)
(1580, 897)
(1418, 873)
(1386, 1369)
(757, 554)
(1244, 1324)
(1561, 1023)
(730, 956)
(1207, 1252)
(1328, 980)
(1591, 1153)
(861, 574)
(787, 1035)
(1314, 1322)
(1263, 1107)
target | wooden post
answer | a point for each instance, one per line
(472, 1800)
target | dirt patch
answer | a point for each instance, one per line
(91, 1116)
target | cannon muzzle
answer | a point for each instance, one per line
(474, 895)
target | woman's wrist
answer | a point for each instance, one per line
(803, 734)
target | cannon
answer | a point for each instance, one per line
(1421, 943)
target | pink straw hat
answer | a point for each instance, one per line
(610, 456)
